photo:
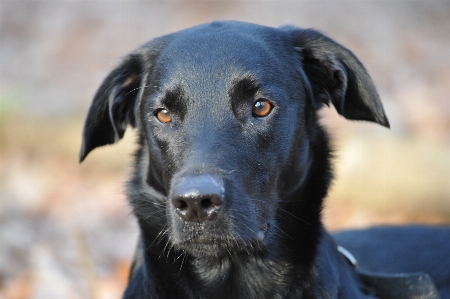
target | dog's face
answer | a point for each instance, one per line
(226, 117)
(217, 119)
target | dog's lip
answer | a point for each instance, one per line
(219, 240)
(216, 240)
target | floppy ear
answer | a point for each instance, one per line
(336, 75)
(112, 108)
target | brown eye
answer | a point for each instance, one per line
(163, 116)
(262, 108)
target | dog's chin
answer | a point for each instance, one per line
(217, 248)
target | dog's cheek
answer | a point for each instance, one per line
(257, 180)
(251, 205)
(294, 156)
(165, 160)
(175, 227)
(244, 222)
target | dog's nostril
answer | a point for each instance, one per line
(181, 205)
(207, 204)
(197, 209)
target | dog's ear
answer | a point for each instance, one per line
(113, 106)
(336, 75)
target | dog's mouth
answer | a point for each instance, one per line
(204, 243)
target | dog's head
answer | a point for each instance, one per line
(226, 114)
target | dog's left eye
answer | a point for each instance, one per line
(262, 108)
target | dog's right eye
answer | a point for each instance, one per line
(163, 116)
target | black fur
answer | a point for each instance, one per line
(247, 221)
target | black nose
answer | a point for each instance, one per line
(197, 198)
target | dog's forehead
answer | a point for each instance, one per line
(222, 52)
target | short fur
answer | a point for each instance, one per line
(260, 181)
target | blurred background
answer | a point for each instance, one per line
(66, 230)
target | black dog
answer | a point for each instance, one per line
(232, 164)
